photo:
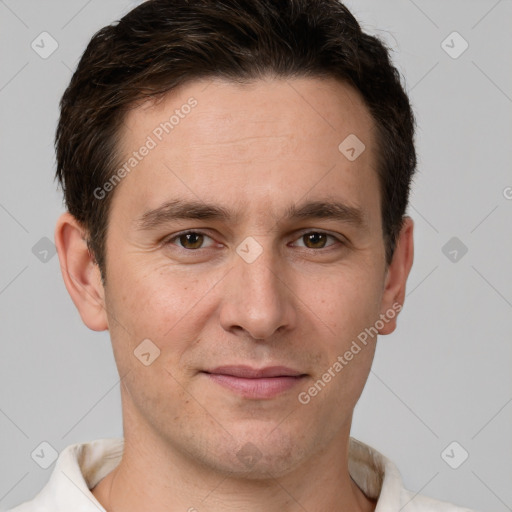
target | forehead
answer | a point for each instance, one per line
(264, 139)
(223, 112)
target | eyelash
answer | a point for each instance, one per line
(169, 241)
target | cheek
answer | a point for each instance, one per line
(161, 304)
(149, 306)
(153, 299)
(345, 301)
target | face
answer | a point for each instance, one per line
(253, 291)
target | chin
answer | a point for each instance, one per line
(259, 454)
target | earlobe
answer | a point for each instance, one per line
(80, 273)
(398, 271)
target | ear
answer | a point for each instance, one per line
(397, 273)
(80, 272)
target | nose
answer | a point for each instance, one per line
(258, 299)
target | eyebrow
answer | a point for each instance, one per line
(197, 210)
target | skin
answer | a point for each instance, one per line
(254, 149)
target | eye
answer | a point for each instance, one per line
(194, 240)
(189, 240)
(317, 239)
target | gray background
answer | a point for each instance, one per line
(445, 374)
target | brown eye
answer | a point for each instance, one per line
(191, 240)
(318, 240)
(315, 240)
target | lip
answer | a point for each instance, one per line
(247, 372)
(256, 383)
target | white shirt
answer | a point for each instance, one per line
(81, 466)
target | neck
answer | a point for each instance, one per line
(155, 477)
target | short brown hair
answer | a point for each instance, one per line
(162, 44)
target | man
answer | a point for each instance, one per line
(236, 175)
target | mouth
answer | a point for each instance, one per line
(256, 383)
